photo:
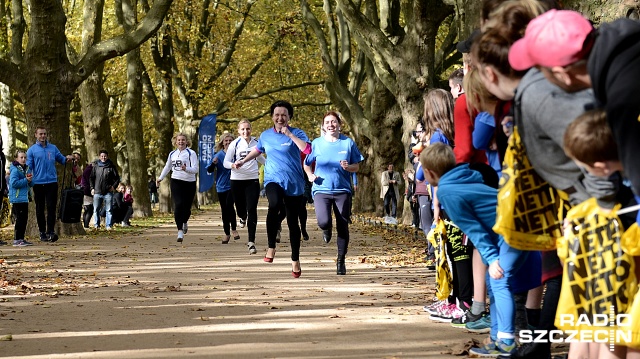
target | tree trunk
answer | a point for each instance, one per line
(137, 156)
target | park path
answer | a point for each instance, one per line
(144, 295)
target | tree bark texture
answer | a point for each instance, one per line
(378, 82)
(43, 76)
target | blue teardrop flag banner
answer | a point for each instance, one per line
(207, 144)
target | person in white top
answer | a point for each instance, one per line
(244, 180)
(183, 162)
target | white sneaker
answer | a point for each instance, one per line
(185, 227)
(252, 248)
(242, 223)
(180, 235)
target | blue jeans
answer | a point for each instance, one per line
(502, 305)
(97, 205)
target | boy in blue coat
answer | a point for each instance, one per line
(472, 206)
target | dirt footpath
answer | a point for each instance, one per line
(146, 296)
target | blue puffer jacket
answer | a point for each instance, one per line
(18, 185)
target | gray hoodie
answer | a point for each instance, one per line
(542, 113)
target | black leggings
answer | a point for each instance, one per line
(228, 212)
(340, 203)
(462, 265)
(245, 195)
(21, 211)
(46, 194)
(279, 202)
(183, 193)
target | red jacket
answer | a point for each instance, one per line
(463, 127)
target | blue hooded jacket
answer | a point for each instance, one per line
(18, 184)
(471, 205)
(42, 160)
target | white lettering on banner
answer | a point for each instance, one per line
(615, 329)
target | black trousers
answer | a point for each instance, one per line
(183, 193)
(46, 197)
(228, 212)
(21, 211)
(279, 202)
(245, 196)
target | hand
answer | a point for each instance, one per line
(183, 167)
(344, 164)
(93, 191)
(355, 188)
(312, 177)
(495, 271)
(239, 163)
(285, 131)
(70, 158)
(29, 177)
(215, 161)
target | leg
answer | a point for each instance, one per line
(387, 203)
(479, 283)
(127, 215)
(21, 210)
(88, 213)
(223, 197)
(532, 307)
(52, 203)
(108, 201)
(292, 206)
(97, 203)
(323, 204)
(182, 205)
(39, 194)
(238, 189)
(252, 195)
(426, 219)
(510, 260)
(342, 210)
(275, 196)
(394, 205)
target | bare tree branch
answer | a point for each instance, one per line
(278, 89)
(122, 44)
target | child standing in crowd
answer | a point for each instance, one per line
(472, 206)
(128, 205)
(438, 117)
(19, 195)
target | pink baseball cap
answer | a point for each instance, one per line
(555, 38)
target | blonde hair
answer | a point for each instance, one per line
(478, 97)
(512, 16)
(173, 139)
(120, 187)
(439, 158)
(220, 144)
(244, 121)
(438, 113)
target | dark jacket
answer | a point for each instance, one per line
(614, 69)
(86, 180)
(104, 177)
(153, 188)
